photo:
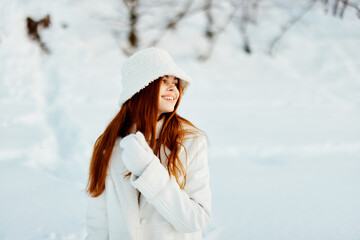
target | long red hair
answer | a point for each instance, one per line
(140, 113)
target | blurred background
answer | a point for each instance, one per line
(276, 88)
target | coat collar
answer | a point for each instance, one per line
(128, 195)
(159, 126)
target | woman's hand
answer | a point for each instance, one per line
(136, 153)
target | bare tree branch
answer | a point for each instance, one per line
(216, 34)
(33, 28)
(287, 26)
(344, 5)
(341, 14)
(172, 23)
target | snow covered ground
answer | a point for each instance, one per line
(284, 130)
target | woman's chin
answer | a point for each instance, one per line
(166, 111)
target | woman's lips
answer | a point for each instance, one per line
(169, 98)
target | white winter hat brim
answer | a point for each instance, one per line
(145, 66)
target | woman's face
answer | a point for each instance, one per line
(169, 93)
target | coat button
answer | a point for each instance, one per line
(143, 221)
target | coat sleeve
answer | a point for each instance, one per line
(187, 210)
(96, 218)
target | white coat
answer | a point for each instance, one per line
(166, 212)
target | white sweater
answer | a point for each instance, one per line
(152, 206)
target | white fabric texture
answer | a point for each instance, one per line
(145, 66)
(136, 153)
(165, 210)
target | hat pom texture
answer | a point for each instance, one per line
(145, 66)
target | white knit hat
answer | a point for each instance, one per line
(145, 66)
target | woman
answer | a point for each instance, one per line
(149, 175)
